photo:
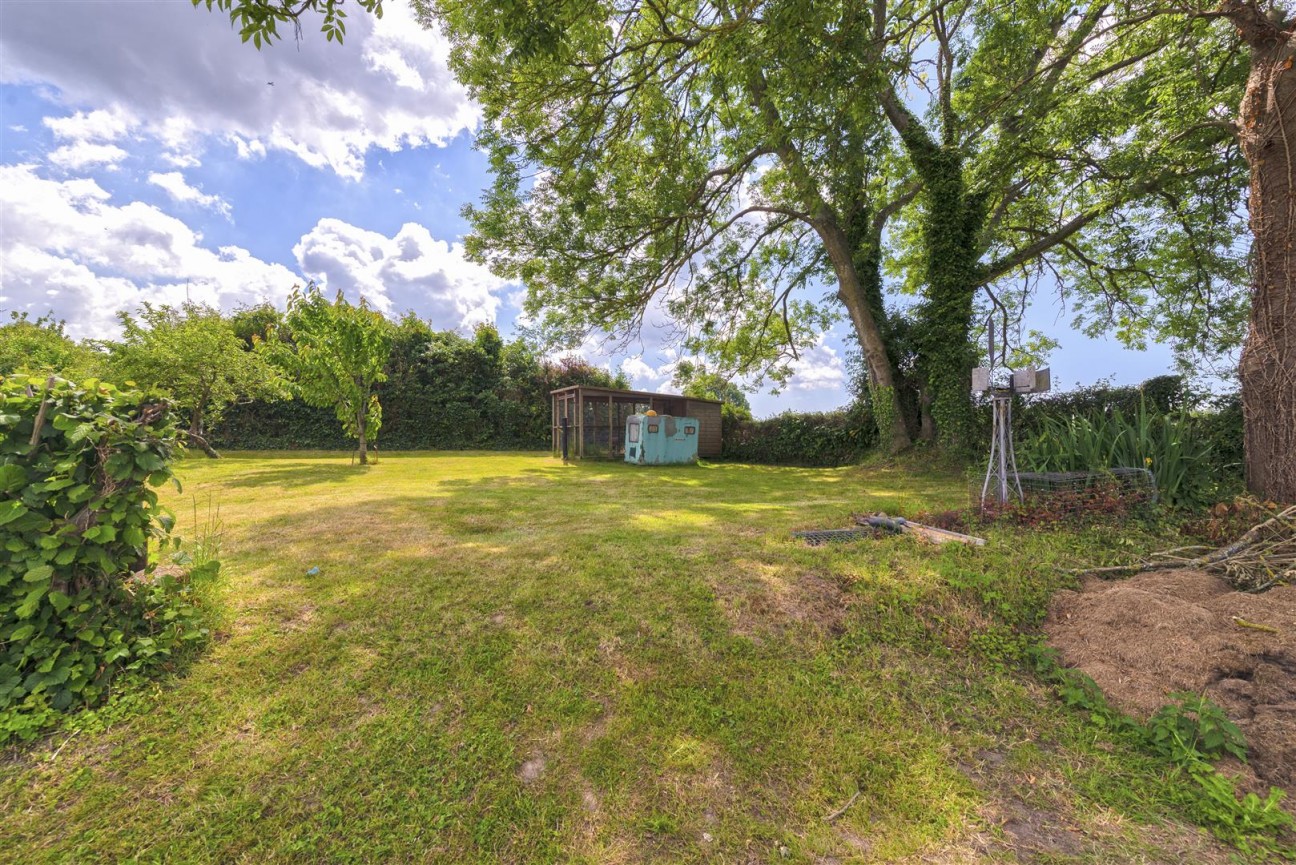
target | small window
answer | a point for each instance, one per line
(652, 427)
(634, 431)
(690, 430)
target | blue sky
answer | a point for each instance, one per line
(145, 155)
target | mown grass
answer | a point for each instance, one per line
(505, 659)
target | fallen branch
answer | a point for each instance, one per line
(1263, 557)
(843, 809)
(1255, 626)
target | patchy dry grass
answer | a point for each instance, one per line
(504, 659)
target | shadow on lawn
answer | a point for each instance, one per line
(297, 471)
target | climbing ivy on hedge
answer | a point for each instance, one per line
(78, 605)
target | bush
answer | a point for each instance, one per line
(78, 602)
(810, 439)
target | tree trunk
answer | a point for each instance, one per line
(363, 433)
(952, 220)
(1267, 136)
(892, 432)
(196, 434)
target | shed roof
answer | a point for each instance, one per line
(591, 390)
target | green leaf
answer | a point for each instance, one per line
(38, 573)
(10, 511)
(12, 478)
(31, 603)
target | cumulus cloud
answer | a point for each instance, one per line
(83, 154)
(174, 184)
(819, 368)
(412, 270)
(179, 74)
(68, 249)
(100, 125)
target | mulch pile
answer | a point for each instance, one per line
(1185, 630)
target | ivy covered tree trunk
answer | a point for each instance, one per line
(1267, 135)
(952, 219)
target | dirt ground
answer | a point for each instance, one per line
(1142, 638)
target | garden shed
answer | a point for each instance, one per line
(596, 418)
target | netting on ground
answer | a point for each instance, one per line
(1062, 495)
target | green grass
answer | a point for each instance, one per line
(504, 659)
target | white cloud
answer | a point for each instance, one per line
(818, 368)
(83, 154)
(66, 248)
(103, 125)
(181, 75)
(178, 188)
(411, 270)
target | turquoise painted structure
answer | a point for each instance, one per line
(658, 440)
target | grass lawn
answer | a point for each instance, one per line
(505, 659)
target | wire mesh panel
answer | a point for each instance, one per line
(1061, 495)
(835, 536)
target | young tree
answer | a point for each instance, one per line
(337, 355)
(193, 353)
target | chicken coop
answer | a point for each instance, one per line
(595, 419)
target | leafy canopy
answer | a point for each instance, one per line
(193, 353)
(42, 345)
(259, 20)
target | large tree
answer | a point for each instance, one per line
(336, 356)
(721, 160)
(1266, 130)
(1077, 143)
(192, 352)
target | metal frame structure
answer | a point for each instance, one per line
(1001, 472)
(1002, 469)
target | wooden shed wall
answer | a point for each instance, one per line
(708, 415)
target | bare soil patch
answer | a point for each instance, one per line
(1144, 637)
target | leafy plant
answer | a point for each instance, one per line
(79, 601)
(1165, 444)
(1194, 727)
(1189, 734)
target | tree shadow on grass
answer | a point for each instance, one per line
(293, 469)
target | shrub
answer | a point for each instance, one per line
(806, 439)
(78, 602)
